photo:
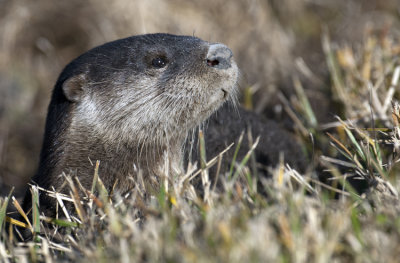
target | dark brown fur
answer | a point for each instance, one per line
(130, 104)
(226, 126)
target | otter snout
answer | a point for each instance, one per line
(219, 56)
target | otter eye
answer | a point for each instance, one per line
(159, 62)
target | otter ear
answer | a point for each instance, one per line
(73, 87)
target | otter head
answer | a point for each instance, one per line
(150, 88)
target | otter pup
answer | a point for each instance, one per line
(131, 104)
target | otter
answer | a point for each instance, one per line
(131, 104)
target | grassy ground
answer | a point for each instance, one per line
(286, 218)
(340, 99)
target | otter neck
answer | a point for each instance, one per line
(120, 160)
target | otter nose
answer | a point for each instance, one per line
(219, 56)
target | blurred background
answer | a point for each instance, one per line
(272, 41)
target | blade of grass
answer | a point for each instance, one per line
(161, 197)
(22, 213)
(354, 141)
(16, 222)
(235, 154)
(303, 131)
(348, 153)
(203, 164)
(202, 149)
(305, 102)
(59, 222)
(189, 176)
(3, 210)
(355, 221)
(96, 176)
(253, 176)
(76, 199)
(35, 210)
(217, 172)
(339, 92)
(338, 175)
(245, 159)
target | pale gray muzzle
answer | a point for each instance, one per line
(219, 56)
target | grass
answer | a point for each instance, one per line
(287, 217)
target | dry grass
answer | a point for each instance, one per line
(289, 217)
(343, 106)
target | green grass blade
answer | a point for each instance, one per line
(305, 103)
(202, 146)
(354, 142)
(35, 210)
(235, 154)
(246, 158)
(3, 210)
(63, 223)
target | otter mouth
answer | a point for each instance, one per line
(225, 93)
